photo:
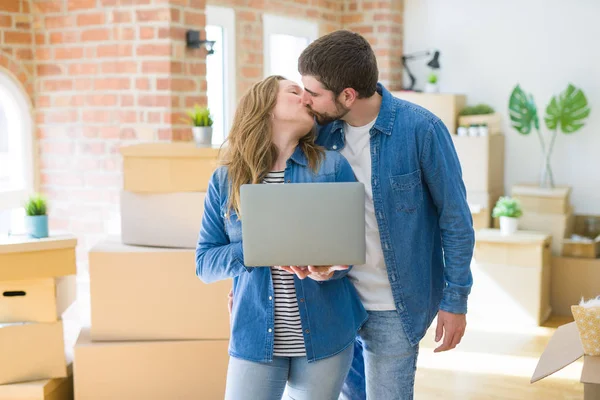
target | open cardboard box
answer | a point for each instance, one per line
(566, 347)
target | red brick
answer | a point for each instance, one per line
(115, 50)
(127, 100)
(13, 37)
(154, 117)
(48, 70)
(196, 69)
(83, 69)
(147, 32)
(83, 84)
(154, 101)
(250, 72)
(49, 6)
(176, 67)
(156, 67)
(59, 22)
(40, 38)
(128, 117)
(352, 18)
(58, 116)
(122, 16)
(23, 25)
(153, 50)
(94, 148)
(97, 116)
(249, 16)
(43, 101)
(68, 53)
(5, 21)
(120, 33)
(24, 54)
(109, 132)
(119, 67)
(112, 84)
(95, 35)
(127, 133)
(101, 100)
(196, 19)
(74, 5)
(152, 15)
(142, 84)
(175, 15)
(10, 5)
(57, 85)
(97, 18)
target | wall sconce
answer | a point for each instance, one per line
(193, 41)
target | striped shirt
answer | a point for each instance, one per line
(288, 340)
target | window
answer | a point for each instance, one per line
(16, 164)
(220, 69)
(284, 41)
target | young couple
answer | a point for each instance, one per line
(341, 332)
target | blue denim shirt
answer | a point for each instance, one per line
(330, 312)
(425, 225)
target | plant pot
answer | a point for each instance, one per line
(37, 226)
(508, 225)
(202, 136)
(431, 88)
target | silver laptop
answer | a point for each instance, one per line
(303, 224)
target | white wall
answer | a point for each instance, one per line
(489, 46)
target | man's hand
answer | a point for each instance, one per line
(317, 273)
(300, 271)
(452, 327)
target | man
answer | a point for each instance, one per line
(419, 228)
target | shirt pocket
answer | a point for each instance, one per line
(407, 191)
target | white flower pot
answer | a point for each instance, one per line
(508, 225)
(431, 88)
(202, 135)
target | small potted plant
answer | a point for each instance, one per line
(36, 219)
(432, 83)
(481, 115)
(508, 210)
(201, 125)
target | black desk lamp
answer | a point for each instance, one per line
(433, 64)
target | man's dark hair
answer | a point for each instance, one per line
(340, 60)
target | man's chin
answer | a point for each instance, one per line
(324, 120)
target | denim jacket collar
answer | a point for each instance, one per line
(298, 157)
(385, 119)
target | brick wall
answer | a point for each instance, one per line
(110, 73)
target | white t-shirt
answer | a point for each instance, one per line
(371, 279)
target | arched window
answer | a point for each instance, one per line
(16, 152)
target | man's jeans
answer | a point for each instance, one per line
(384, 362)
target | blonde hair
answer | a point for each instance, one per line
(250, 153)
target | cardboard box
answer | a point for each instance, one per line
(175, 219)
(519, 265)
(47, 389)
(146, 293)
(25, 258)
(557, 225)
(563, 349)
(164, 167)
(187, 369)
(481, 205)
(493, 122)
(482, 162)
(577, 248)
(32, 351)
(37, 300)
(572, 279)
(543, 200)
(444, 105)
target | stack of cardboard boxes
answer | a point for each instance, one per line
(37, 285)
(157, 332)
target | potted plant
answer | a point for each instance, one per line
(481, 115)
(36, 220)
(432, 83)
(201, 125)
(508, 210)
(566, 111)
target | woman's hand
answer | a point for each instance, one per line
(300, 271)
(314, 272)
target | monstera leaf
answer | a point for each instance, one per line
(567, 111)
(523, 112)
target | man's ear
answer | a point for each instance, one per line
(348, 97)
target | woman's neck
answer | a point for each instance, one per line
(285, 148)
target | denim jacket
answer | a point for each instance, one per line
(330, 312)
(425, 225)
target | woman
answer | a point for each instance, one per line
(284, 329)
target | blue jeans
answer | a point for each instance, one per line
(318, 380)
(384, 362)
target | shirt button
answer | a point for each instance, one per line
(307, 331)
(334, 147)
(301, 300)
(270, 330)
(289, 181)
(270, 298)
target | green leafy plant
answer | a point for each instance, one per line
(566, 112)
(432, 78)
(507, 207)
(35, 205)
(199, 116)
(479, 109)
